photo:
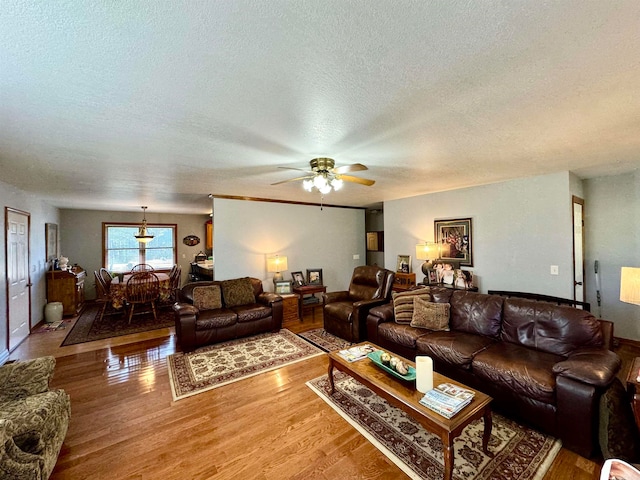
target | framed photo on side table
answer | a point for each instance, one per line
(404, 264)
(298, 279)
(454, 240)
(314, 276)
(283, 287)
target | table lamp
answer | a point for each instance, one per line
(426, 251)
(276, 264)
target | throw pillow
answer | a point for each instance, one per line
(207, 298)
(238, 292)
(403, 303)
(434, 316)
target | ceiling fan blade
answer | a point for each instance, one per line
(361, 181)
(356, 167)
(299, 169)
(293, 179)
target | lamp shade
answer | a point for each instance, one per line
(426, 251)
(276, 264)
(630, 285)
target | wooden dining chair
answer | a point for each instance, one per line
(143, 288)
(103, 295)
(174, 281)
(142, 267)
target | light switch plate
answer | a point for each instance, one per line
(554, 269)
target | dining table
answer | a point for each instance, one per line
(118, 288)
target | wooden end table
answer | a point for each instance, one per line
(311, 290)
(403, 394)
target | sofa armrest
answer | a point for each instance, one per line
(14, 462)
(331, 297)
(360, 311)
(185, 309)
(268, 298)
(376, 316)
(592, 366)
(27, 377)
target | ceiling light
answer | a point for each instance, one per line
(143, 236)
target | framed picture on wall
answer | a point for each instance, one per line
(314, 276)
(454, 239)
(51, 237)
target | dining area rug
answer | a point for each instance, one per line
(223, 363)
(519, 453)
(89, 327)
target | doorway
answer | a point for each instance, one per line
(578, 248)
(17, 274)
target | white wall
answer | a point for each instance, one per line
(520, 228)
(81, 237)
(612, 236)
(310, 237)
(40, 213)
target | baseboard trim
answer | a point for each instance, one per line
(4, 356)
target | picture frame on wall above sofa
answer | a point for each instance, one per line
(314, 276)
(454, 239)
(298, 279)
(403, 264)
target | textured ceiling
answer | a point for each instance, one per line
(113, 105)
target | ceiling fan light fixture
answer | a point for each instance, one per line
(325, 189)
(319, 181)
(337, 183)
(307, 185)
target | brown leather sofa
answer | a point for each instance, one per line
(345, 312)
(226, 317)
(545, 365)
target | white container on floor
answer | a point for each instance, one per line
(53, 312)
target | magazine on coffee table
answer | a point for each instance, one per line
(356, 353)
(447, 399)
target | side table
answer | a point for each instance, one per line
(290, 308)
(306, 292)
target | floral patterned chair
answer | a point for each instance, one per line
(33, 419)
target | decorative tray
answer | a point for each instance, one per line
(375, 358)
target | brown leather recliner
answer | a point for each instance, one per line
(345, 312)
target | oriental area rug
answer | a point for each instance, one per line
(520, 453)
(89, 327)
(220, 364)
(326, 341)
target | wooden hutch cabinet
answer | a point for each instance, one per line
(67, 286)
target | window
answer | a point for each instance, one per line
(122, 251)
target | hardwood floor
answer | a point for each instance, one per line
(125, 425)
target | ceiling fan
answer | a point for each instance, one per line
(324, 175)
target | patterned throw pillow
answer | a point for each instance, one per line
(238, 292)
(207, 298)
(434, 316)
(403, 303)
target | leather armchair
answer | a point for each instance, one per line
(345, 312)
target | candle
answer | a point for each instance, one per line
(424, 374)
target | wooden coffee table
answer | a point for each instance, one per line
(403, 394)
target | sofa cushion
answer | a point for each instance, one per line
(249, 313)
(341, 310)
(238, 291)
(452, 348)
(476, 313)
(430, 315)
(401, 334)
(221, 317)
(403, 303)
(441, 294)
(207, 298)
(548, 327)
(521, 370)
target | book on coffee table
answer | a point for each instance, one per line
(447, 399)
(356, 353)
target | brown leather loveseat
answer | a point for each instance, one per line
(545, 365)
(215, 311)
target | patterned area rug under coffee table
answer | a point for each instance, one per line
(520, 453)
(326, 341)
(216, 365)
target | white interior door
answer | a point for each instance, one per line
(578, 249)
(19, 293)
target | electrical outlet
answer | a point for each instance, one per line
(554, 269)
